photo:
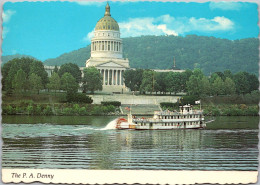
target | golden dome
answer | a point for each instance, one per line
(107, 22)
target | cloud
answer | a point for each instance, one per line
(90, 3)
(168, 25)
(145, 26)
(89, 36)
(224, 5)
(7, 15)
(5, 31)
(210, 25)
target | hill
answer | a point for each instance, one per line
(157, 52)
(207, 53)
(6, 58)
(78, 57)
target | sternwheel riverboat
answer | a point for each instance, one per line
(186, 118)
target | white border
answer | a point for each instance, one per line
(129, 176)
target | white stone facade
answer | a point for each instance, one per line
(107, 54)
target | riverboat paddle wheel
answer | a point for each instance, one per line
(119, 121)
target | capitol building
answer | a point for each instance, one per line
(107, 53)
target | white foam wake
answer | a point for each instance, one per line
(111, 125)
(210, 121)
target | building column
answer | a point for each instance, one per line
(108, 77)
(120, 82)
(112, 77)
(116, 77)
(104, 72)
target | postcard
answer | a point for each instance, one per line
(105, 92)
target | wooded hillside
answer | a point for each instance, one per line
(210, 54)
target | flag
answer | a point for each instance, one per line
(127, 108)
(197, 102)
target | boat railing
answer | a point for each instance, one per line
(178, 113)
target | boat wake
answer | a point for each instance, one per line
(210, 121)
(111, 125)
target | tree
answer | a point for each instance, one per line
(55, 69)
(205, 86)
(221, 75)
(198, 73)
(253, 82)
(35, 82)
(37, 68)
(242, 84)
(193, 85)
(227, 73)
(230, 87)
(28, 65)
(8, 77)
(148, 81)
(73, 69)
(19, 82)
(173, 82)
(69, 84)
(218, 86)
(54, 82)
(92, 79)
(213, 77)
(161, 79)
(133, 79)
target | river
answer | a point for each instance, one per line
(80, 142)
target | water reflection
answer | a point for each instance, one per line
(90, 147)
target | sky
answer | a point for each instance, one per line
(48, 29)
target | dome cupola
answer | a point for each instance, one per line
(107, 22)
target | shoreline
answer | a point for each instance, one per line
(74, 109)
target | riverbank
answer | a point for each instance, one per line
(49, 104)
(58, 109)
(71, 109)
(226, 109)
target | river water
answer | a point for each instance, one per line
(74, 142)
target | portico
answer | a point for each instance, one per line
(112, 76)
